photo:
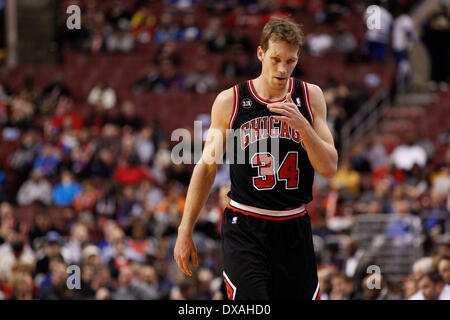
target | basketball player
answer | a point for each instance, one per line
(267, 247)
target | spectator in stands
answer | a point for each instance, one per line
(380, 293)
(215, 35)
(238, 40)
(354, 262)
(201, 80)
(433, 287)
(319, 42)
(404, 225)
(144, 145)
(139, 243)
(21, 114)
(102, 164)
(91, 256)
(341, 287)
(167, 29)
(72, 250)
(85, 292)
(15, 254)
(376, 153)
(66, 191)
(129, 206)
(106, 205)
(149, 279)
(36, 188)
(128, 116)
(120, 40)
(131, 172)
(189, 30)
(23, 157)
(436, 215)
(346, 180)
(167, 51)
(205, 278)
(66, 116)
(403, 39)
(53, 91)
(378, 31)
(87, 198)
(22, 287)
(344, 41)
(101, 282)
(54, 286)
(406, 155)
(169, 78)
(42, 224)
(125, 289)
(102, 95)
(230, 67)
(420, 267)
(143, 23)
(148, 81)
(443, 267)
(51, 249)
(436, 31)
(440, 178)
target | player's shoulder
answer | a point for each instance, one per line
(312, 89)
(226, 96)
(316, 98)
(224, 104)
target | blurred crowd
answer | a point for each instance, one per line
(407, 197)
(100, 191)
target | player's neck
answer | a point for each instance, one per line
(264, 90)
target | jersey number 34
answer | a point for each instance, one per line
(267, 177)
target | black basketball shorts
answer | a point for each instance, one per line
(268, 257)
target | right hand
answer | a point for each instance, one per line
(185, 249)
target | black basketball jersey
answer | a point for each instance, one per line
(269, 166)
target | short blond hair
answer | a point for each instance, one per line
(281, 29)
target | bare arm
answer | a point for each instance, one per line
(202, 178)
(317, 137)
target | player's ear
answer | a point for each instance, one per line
(260, 53)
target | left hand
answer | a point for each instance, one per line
(289, 113)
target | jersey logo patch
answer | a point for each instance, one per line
(246, 103)
(234, 221)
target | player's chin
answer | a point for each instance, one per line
(279, 81)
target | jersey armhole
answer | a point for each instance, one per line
(235, 107)
(308, 106)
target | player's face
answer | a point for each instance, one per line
(278, 62)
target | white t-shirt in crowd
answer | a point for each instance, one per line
(405, 157)
(379, 32)
(445, 293)
(403, 34)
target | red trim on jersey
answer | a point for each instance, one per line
(258, 98)
(235, 107)
(318, 295)
(230, 290)
(305, 85)
(248, 213)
